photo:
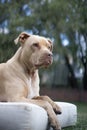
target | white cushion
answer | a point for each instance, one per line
(24, 116)
(69, 114)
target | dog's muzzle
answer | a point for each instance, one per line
(45, 60)
(48, 59)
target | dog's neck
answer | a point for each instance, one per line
(17, 58)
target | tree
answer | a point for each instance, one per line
(67, 18)
(13, 20)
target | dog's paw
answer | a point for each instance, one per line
(57, 109)
(55, 126)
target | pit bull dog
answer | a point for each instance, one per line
(19, 79)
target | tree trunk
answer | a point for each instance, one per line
(85, 77)
(72, 78)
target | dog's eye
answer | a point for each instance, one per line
(49, 47)
(36, 45)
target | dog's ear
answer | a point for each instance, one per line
(49, 40)
(22, 38)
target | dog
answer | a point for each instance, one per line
(19, 79)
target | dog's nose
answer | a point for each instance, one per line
(50, 55)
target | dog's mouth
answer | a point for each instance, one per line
(44, 62)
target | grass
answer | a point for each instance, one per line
(81, 117)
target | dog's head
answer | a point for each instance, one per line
(36, 50)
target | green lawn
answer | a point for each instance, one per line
(81, 117)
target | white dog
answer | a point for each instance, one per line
(19, 80)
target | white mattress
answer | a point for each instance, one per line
(24, 116)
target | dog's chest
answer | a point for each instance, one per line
(33, 87)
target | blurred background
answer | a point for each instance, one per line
(65, 23)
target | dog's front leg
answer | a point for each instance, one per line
(55, 107)
(47, 106)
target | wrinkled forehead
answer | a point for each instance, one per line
(39, 39)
